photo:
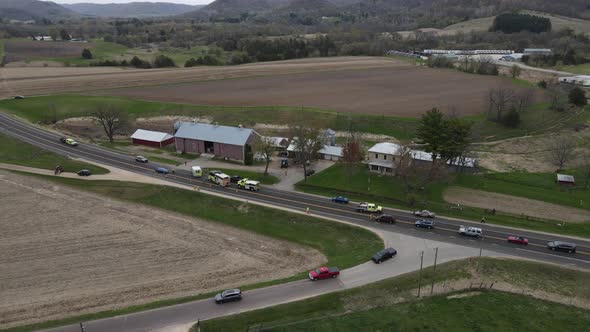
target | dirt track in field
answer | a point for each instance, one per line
(63, 80)
(515, 205)
(402, 91)
(65, 252)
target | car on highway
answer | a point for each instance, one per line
(384, 255)
(340, 199)
(385, 218)
(470, 231)
(562, 246)
(162, 170)
(235, 178)
(84, 172)
(424, 223)
(424, 214)
(228, 295)
(324, 273)
(518, 239)
(68, 141)
(19, 97)
(141, 159)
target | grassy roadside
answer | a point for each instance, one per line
(13, 151)
(343, 245)
(494, 311)
(390, 191)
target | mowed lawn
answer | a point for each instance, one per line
(365, 186)
(13, 151)
(391, 304)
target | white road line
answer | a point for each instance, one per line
(553, 255)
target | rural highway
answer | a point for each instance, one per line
(445, 232)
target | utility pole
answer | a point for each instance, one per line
(434, 270)
(82, 329)
(421, 264)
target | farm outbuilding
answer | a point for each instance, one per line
(566, 179)
(583, 80)
(221, 141)
(329, 152)
(151, 138)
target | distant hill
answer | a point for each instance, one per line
(132, 9)
(33, 10)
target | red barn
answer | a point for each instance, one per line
(221, 141)
(152, 138)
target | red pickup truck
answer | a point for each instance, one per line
(324, 273)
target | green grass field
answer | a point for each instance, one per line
(13, 151)
(538, 119)
(578, 69)
(102, 50)
(377, 307)
(390, 191)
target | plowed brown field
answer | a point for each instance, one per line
(64, 252)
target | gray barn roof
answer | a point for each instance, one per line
(213, 133)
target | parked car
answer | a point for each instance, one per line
(141, 159)
(424, 214)
(84, 172)
(340, 199)
(324, 273)
(385, 218)
(384, 255)
(562, 246)
(228, 295)
(68, 141)
(284, 163)
(369, 207)
(162, 170)
(471, 231)
(19, 97)
(518, 240)
(235, 179)
(309, 172)
(424, 223)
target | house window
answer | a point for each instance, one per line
(374, 168)
(376, 156)
(384, 157)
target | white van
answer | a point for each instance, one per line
(470, 231)
(197, 171)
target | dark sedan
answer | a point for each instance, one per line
(386, 219)
(162, 170)
(235, 178)
(340, 199)
(384, 255)
(562, 246)
(84, 172)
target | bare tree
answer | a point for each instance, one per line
(307, 141)
(515, 71)
(562, 150)
(522, 100)
(403, 166)
(264, 145)
(112, 119)
(351, 154)
(499, 101)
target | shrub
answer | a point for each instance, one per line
(86, 54)
(163, 61)
(577, 97)
(542, 84)
(512, 118)
(138, 63)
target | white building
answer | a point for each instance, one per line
(382, 158)
(583, 80)
(331, 152)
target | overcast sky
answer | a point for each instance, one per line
(189, 2)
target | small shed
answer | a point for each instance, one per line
(151, 138)
(329, 152)
(566, 179)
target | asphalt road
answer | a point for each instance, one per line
(446, 230)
